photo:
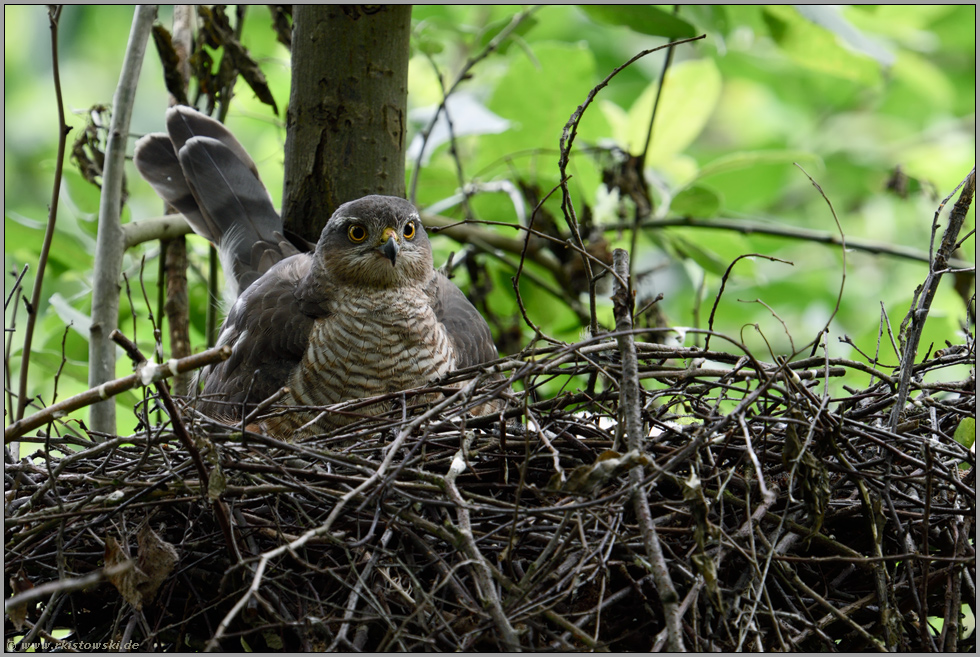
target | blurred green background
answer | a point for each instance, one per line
(852, 94)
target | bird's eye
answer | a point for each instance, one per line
(409, 231)
(357, 233)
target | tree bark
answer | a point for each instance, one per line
(177, 308)
(174, 251)
(346, 120)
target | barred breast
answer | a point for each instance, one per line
(373, 342)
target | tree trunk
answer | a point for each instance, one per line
(346, 120)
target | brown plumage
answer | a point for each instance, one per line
(364, 314)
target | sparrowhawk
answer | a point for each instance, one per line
(362, 315)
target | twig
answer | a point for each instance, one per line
(724, 282)
(516, 279)
(167, 227)
(748, 227)
(54, 15)
(656, 102)
(642, 204)
(356, 592)
(916, 318)
(325, 527)
(65, 585)
(482, 572)
(173, 258)
(463, 74)
(550, 556)
(220, 510)
(630, 403)
(145, 376)
(264, 406)
(9, 342)
(843, 257)
(565, 147)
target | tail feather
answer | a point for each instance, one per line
(185, 123)
(157, 162)
(225, 187)
(202, 170)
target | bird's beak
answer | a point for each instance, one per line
(389, 246)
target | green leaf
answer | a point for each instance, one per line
(830, 18)
(689, 96)
(491, 31)
(617, 117)
(538, 97)
(818, 49)
(749, 159)
(681, 247)
(709, 18)
(428, 45)
(78, 320)
(926, 79)
(696, 201)
(641, 18)
(966, 432)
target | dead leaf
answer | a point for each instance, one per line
(588, 479)
(18, 613)
(127, 580)
(140, 583)
(157, 559)
(172, 77)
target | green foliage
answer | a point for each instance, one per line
(647, 20)
(966, 432)
(850, 94)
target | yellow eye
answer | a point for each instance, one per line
(357, 233)
(409, 231)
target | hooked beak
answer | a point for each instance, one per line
(390, 246)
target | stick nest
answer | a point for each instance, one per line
(782, 518)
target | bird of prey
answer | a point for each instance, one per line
(364, 314)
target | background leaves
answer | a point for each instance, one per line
(862, 97)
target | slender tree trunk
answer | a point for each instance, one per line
(347, 110)
(109, 244)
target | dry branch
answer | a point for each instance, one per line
(149, 373)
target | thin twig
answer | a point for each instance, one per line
(462, 75)
(916, 318)
(59, 586)
(54, 16)
(326, 526)
(565, 147)
(749, 227)
(221, 511)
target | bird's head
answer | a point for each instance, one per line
(375, 241)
